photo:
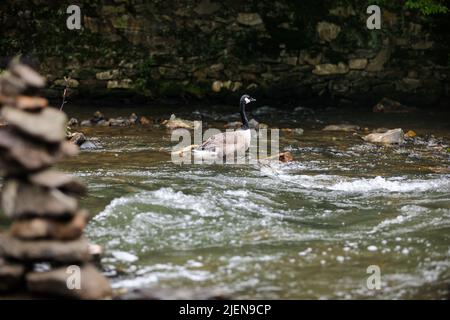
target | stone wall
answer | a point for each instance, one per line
(205, 48)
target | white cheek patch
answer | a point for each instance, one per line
(247, 100)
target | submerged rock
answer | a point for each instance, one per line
(88, 145)
(55, 282)
(387, 105)
(394, 136)
(341, 127)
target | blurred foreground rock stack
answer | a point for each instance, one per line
(43, 253)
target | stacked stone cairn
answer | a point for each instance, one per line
(43, 253)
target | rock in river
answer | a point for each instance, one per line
(175, 123)
(387, 105)
(394, 136)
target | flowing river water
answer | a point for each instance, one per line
(307, 229)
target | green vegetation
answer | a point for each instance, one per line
(427, 7)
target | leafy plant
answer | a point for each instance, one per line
(427, 7)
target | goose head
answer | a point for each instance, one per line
(246, 99)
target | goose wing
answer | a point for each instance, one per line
(226, 143)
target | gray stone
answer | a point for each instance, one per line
(394, 136)
(206, 7)
(330, 69)
(30, 103)
(328, 31)
(88, 145)
(249, 19)
(55, 179)
(71, 83)
(73, 122)
(377, 63)
(108, 75)
(48, 125)
(20, 199)
(11, 276)
(217, 67)
(47, 228)
(77, 138)
(119, 84)
(93, 285)
(357, 64)
(175, 123)
(45, 250)
(27, 74)
(422, 45)
(23, 154)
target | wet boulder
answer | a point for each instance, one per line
(86, 123)
(394, 136)
(92, 284)
(119, 122)
(88, 145)
(77, 138)
(73, 122)
(176, 123)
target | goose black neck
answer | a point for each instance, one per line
(243, 116)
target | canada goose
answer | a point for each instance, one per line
(228, 143)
